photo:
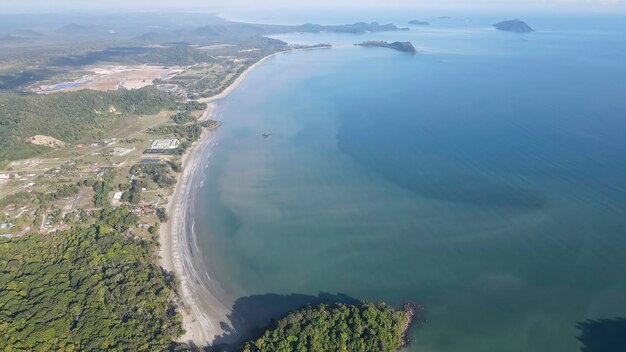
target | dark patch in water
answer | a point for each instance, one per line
(215, 211)
(397, 154)
(251, 314)
(602, 335)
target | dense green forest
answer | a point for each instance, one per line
(70, 117)
(182, 118)
(335, 328)
(98, 289)
(84, 290)
(193, 106)
(180, 55)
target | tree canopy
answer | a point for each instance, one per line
(335, 328)
(83, 290)
(70, 117)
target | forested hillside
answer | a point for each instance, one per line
(70, 117)
(365, 328)
(177, 55)
(84, 290)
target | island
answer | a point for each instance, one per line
(406, 47)
(419, 23)
(517, 26)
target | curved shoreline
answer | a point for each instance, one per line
(203, 304)
(242, 77)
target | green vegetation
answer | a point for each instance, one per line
(96, 286)
(188, 132)
(159, 173)
(133, 194)
(193, 106)
(365, 328)
(406, 47)
(182, 118)
(63, 191)
(103, 188)
(119, 219)
(161, 214)
(18, 199)
(70, 117)
(180, 55)
(84, 290)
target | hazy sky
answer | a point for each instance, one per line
(222, 5)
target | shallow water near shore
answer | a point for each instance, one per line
(484, 179)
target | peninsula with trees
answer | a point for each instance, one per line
(366, 327)
(406, 47)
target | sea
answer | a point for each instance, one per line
(483, 178)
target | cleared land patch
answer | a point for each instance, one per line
(105, 78)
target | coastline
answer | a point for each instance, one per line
(203, 304)
(242, 77)
(197, 304)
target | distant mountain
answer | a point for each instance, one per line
(359, 27)
(74, 28)
(21, 34)
(419, 23)
(77, 29)
(26, 33)
(515, 25)
(10, 38)
(230, 30)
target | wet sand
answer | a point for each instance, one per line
(203, 303)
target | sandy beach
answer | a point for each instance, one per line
(204, 305)
(242, 77)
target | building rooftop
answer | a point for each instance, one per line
(165, 144)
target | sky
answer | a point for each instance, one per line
(30, 6)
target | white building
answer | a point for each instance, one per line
(122, 151)
(165, 144)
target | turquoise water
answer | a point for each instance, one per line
(483, 179)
